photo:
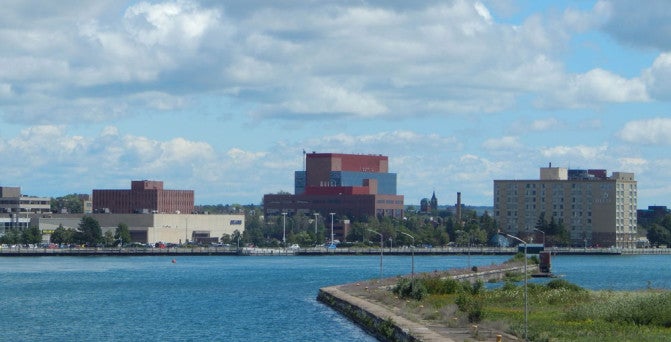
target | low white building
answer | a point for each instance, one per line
(152, 228)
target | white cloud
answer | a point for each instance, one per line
(582, 153)
(598, 86)
(359, 61)
(503, 143)
(648, 131)
(658, 77)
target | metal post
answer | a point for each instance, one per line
(526, 300)
(381, 250)
(317, 240)
(284, 229)
(332, 228)
(413, 253)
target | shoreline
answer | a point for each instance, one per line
(315, 251)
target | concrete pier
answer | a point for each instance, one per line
(391, 324)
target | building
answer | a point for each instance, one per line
(12, 201)
(429, 205)
(15, 209)
(597, 210)
(351, 185)
(152, 228)
(143, 197)
(653, 214)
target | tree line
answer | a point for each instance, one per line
(438, 228)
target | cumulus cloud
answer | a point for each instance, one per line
(653, 131)
(598, 86)
(647, 26)
(503, 143)
(352, 59)
(580, 153)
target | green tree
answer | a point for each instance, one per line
(12, 236)
(122, 233)
(31, 235)
(659, 235)
(109, 239)
(72, 203)
(89, 232)
(62, 235)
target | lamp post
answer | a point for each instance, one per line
(413, 253)
(284, 229)
(317, 240)
(542, 232)
(526, 301)
(332, 244)
(381, 249)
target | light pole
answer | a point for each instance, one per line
(332, 244)
(381, 249)
(542, 232)
(316, 214)
(284, 229)
(413, 253)
(526, 301)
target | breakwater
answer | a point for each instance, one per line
(389, 324)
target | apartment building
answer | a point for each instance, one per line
(596, 209)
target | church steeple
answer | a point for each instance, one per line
(434, 201)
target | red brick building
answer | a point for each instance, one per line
(349, 185)
(143, 197)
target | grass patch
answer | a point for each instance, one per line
(558, 310)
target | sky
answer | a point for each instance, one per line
(223, 97)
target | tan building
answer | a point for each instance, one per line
(12, 201)
(597, 210)
(152, 228)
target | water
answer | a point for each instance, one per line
(233, 298)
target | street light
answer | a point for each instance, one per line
(381, 249)
(413, 253)
(332, 244)
(526, 301)
(316, 214)
(542, 232)
(284, 229)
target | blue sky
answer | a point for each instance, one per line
(223, 96)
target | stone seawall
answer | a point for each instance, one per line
(376, 320)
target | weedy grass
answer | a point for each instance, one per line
(558, 310)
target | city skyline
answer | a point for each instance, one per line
(224, 97)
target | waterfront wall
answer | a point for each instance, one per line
(313, 251)
(377, 321)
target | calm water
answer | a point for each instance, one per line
(232, 298)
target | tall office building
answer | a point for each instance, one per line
(345, 184)
(597, 210)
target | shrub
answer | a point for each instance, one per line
(557, 284)
(472, 305)
(437, 286)
(410, 289)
